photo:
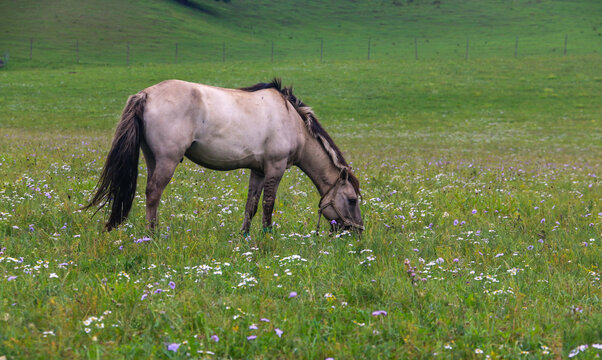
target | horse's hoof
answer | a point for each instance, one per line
(246, 234)
(267, 230)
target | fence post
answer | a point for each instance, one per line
(321, 48)
(566, 40)
(467, 47)
(176, 58)
(416, 48)
(30, 49)
(516, 47)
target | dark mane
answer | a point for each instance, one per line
(313, 126)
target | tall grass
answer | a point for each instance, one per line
(481, 201)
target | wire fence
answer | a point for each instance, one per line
(43, 53)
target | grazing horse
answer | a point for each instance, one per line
(264, 128)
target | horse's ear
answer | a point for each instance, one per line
(344, 174)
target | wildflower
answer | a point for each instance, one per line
(172, 285)
(143, 296)
(253, 327)
(292, 294)
(215, 338)
(53, 275)
(11, 278)
(439, 261)
(173, 347)
(379, 312)
(264, 320)
(478, 351)
(456, 222)
(474, 211)
(278, 332)
(543, 220)
(251, 337)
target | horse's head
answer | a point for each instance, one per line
(340, 205)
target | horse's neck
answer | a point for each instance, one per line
(318, 166)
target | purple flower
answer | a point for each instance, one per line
(138, 241)
(173, 347)
(264, 320)
(251, 337)
(530, 247)
(333, 222)
(543, 220)
(540, 241)
(278, 332)
(158, 291)
(172, 285)
(215, 338)
(143, 296)
(11, 278)
(292, 294)
(474, 211)
(253, 327)
(456, 260)
(379, 312)
(456, 222)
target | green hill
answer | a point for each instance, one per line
(61, 32)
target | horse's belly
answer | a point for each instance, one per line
(223, 157)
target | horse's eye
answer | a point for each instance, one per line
(352, 202)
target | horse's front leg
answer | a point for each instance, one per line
(273, 175)
(255, 188)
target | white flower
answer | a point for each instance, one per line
(53, 275)
(478, 351)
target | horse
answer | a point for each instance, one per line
(264, 128)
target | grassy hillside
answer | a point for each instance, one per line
(243, 30)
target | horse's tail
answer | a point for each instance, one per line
(117, 184)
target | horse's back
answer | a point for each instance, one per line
(221, 128)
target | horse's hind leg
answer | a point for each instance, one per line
(160, 172)
(255, 188)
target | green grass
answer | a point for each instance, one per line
(481, 176)
(243, 30)
(515, 141)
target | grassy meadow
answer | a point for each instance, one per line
(58, 33)
(481, 198)
(480, 177)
